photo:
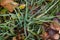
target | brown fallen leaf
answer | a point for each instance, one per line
(9, 4)
(14, 38)
(45, 36)
(55, 26)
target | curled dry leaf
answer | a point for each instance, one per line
(45, 36)
(14, 38)
(8, 4)
(55, 26)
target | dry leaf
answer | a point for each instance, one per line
(55, 26)
(14, 38)
(9, 4)
(45, 36)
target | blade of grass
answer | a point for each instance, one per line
(48, 9)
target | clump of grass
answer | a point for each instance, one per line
(30, 22)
